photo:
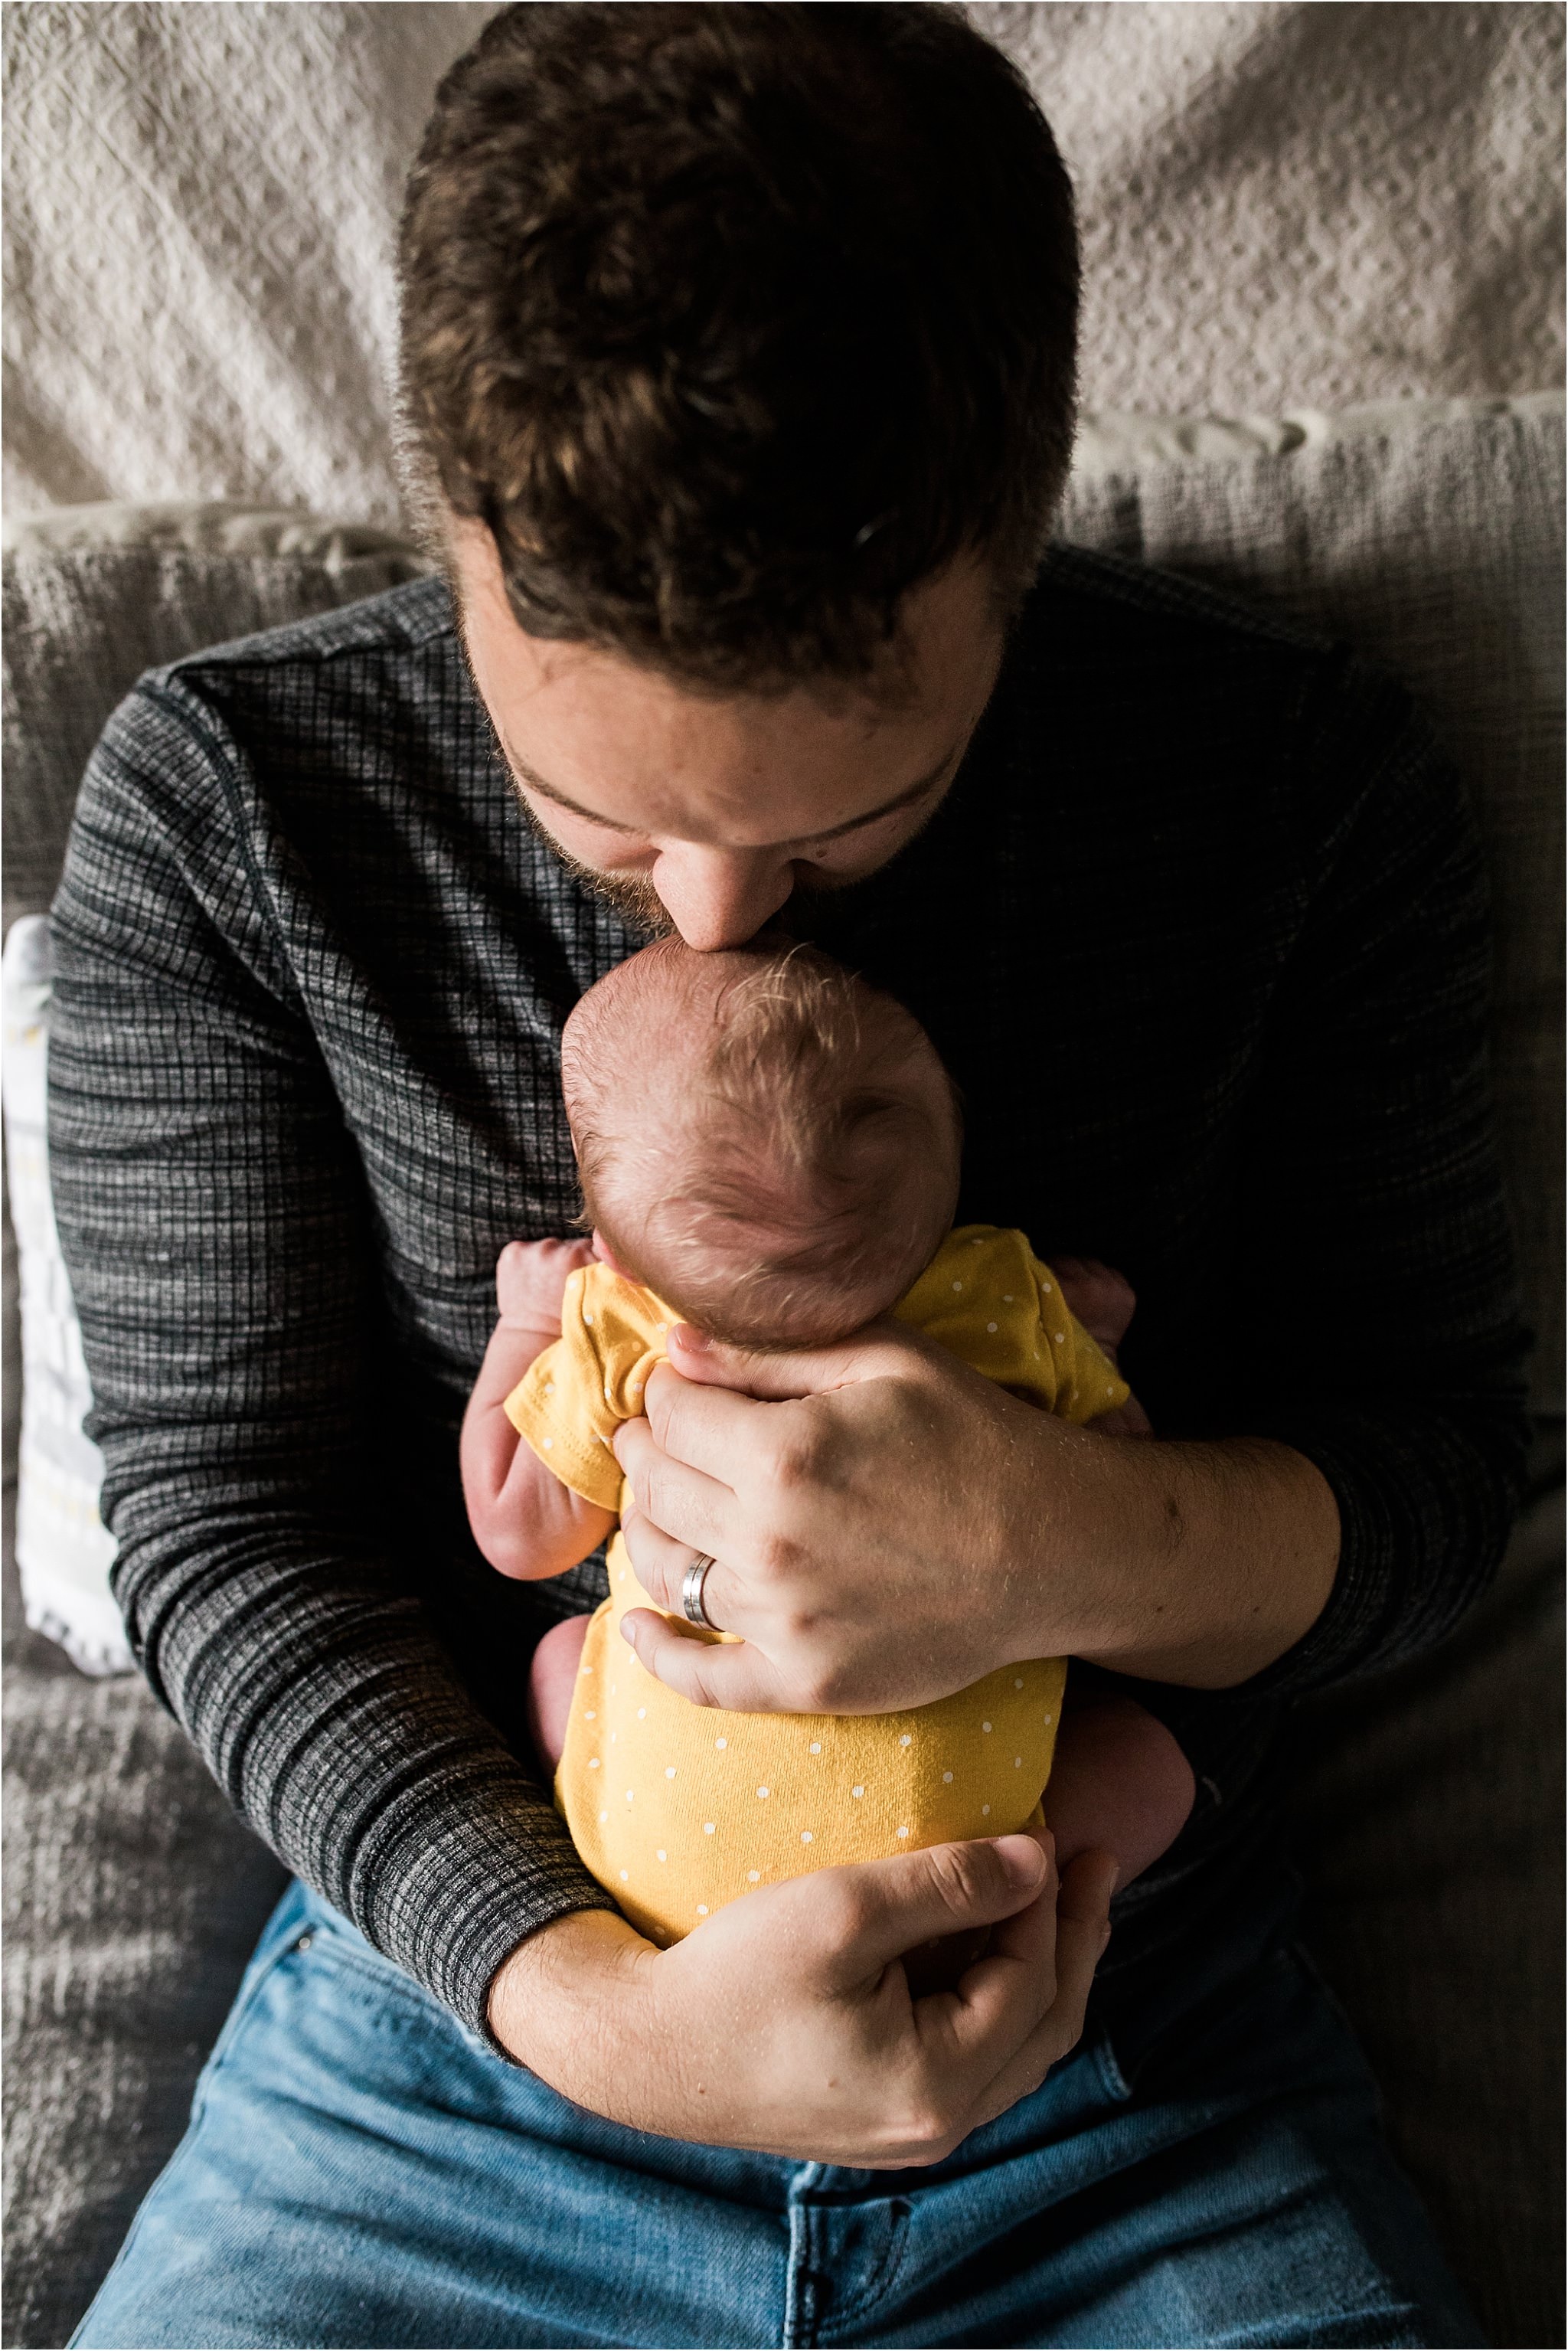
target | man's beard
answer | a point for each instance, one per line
(631, 896)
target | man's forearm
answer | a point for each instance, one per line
(1197, 1563)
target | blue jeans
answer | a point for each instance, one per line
(362, 2170)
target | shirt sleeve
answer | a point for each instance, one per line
(214, 1221)
(1373, 1289)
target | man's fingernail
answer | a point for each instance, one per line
(1021, 1858)
(628, 1634)
(1104, 1934)
(692, 1340)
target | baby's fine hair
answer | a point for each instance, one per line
(766, 1140)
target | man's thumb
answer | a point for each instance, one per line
(914, 1898)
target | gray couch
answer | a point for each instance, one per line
(1427, 1805)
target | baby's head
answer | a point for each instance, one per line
(764, 1140)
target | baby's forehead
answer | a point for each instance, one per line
(760, 1034)
(664, 973)
(642, 1015)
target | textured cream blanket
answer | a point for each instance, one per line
(1282, 205)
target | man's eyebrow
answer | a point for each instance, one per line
(911, 792)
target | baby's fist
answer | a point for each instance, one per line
(1102, 1298)
(531, 1280)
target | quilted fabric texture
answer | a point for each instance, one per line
(200, 207)
(1302, 202)
(133, 1897)
(1280, 203)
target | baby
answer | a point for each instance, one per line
(769, 1149)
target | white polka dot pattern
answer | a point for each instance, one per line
(711, 1809)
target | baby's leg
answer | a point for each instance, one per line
(1119, 1783)
(552, 1677)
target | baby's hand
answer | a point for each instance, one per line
(1128, 1419)
(1104, 1301)
(530, 1281)
(1102, 1298)
(525, 1522)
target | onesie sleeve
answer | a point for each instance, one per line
(988, 1298)
(572, 1398)
(1087, 1382)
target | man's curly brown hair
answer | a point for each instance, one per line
(734, 322)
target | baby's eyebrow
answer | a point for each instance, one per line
(523, 774)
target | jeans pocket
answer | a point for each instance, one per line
(332, 1940)
(279, 1937)
(1298, 1957)
(1108, 2066)
(375, 1982)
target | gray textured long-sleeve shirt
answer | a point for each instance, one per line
(1200, 932)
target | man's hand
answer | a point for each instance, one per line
(785, 2022)
(888, 1527)
(860, 1567)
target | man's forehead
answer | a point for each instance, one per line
(614, 743)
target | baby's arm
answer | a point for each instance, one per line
(524, 1520)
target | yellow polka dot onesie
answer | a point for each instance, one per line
(677, 1808)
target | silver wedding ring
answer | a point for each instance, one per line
(692, 1584)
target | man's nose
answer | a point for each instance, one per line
(721, 897)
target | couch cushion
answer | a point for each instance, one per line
(95, 595)
(132, 1897)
